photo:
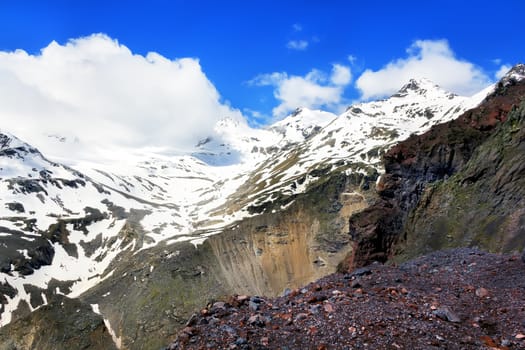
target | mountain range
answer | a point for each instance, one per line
(119, 253)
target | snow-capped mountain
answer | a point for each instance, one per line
(61, 228)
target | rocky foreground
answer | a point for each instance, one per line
(455, 299)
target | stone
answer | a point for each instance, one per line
(256, 320)
(264, 341)
(301, 316)
(228, 329)
(482, 292)
(328, 308)
(314, 309)
(218, 306)
(356, 283)
(446, 314)
(240, 341)
(362, 271)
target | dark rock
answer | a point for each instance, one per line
(362, 271)
(228, 329)
(15, 206)
(240, 341)
(256, 320)
(356, 283)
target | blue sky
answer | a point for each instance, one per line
(264, 57)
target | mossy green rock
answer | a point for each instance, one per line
(482, 205)
(62, 324)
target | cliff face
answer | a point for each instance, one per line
(288, 248)
(457, 184)
(480, 205)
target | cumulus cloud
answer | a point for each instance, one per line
(341, 75)
(97, 92)
(299, 45)
(316, 89)
(432, 59)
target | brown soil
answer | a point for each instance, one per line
(456, 299)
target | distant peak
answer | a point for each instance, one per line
(419, 86)
(10, 144)
(518, 69)
(296, 112)
(516, 73)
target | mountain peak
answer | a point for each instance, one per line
(516, 73)
(418, 86)
(10, 145)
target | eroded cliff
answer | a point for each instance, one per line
(459, 184)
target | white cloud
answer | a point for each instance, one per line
(297, 27)
(341, 75)
(96, 90)
(299, 45)
(316, 89)
(502, 71)
(432, 59)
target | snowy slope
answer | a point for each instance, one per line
(354, 141)
(83, 218)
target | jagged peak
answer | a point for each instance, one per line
(10, 142)
(305, 118)
(419, 86)
(12, 146)
(516, 73)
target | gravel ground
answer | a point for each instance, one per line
(456, 299)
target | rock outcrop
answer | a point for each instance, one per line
(62, 324)
(459, 184)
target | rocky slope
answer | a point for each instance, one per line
(459, 184)
(162, 286)
(456, 299)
